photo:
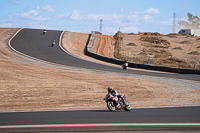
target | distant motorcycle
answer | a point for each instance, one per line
(121, 99)
(124, 65)
(44, 31)
(53, 43)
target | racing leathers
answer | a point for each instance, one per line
(115, 94)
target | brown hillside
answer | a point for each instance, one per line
(27, 84)
(159, 49)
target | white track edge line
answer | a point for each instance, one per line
(104, 125)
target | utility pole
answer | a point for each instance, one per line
(100, 29)
(175, 22)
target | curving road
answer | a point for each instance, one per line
(32, 43)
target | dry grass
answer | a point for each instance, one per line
(31, 85)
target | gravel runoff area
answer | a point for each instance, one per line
(27, 84)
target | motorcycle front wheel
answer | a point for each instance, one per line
(127, 106)
(111, 106)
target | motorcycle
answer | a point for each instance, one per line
(53, 43)
(112, 102)
(44, 32)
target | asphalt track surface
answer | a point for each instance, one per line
(32, 43)
(63, 119)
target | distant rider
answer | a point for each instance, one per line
(125, 64)
(53, 43)
(44, 31)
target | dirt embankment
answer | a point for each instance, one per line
(75, 43)
(104, 45)
(168, 50)
(31, 85)
(171, 50)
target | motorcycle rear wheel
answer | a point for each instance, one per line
(127, 106)
(111, 106)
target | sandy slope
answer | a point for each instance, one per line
(31, 85)
(173, 49)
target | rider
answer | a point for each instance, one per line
(125, 64)
(44, 31)
(112, 91)
(115, 94)
(53, 43)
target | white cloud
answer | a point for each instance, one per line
(16, 2)
(112, 18)
(120, 10)
(112, 22)
(148, 11)
(48, 8)
(166, 22)
(108, 17)
(32, 14)
(128, 23)
(131, 19)
(147, 18)
(153, 11)
(95, 16)
(6, 25)
(76, 15)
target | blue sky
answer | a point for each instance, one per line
(132, 16)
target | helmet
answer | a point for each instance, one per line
(109, 89)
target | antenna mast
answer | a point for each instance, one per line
(100, 29)
(175, 21)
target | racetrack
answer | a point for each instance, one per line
(179, 118)
(33, 43)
